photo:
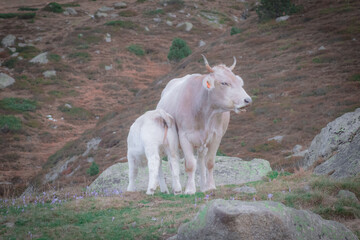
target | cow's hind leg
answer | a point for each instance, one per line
(153, 158)
(133, 170)
(161, 178)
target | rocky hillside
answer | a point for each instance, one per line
(301, 73)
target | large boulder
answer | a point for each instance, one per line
(231, 219)
(228, 170)
(336, 142)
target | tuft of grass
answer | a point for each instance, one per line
(220, 153)
(27, 9)
(10, 63)
(235, 30)
(75, 113)
(136, 49)
(300, 198)
(274, 174)
(54, 57)
(28, 52)
(10, 122)
(128, 13)
(70, 5)
(54, 7)
(266, 147)
(82, 56)
(323, 60)
(18, 104)
(93, 169)
(18, 15)
(122, 24)
(178, 50)
(159, 11)
(355, 77)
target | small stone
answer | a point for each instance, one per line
(41, 58)
(277, 139)
(108, 37)
(5, 80)
(188, 26)
(172, 15)
(244, 189)
(80, 35)
(120, 5)
(321, 48)
(114, 15)
(67, 105)
(157, 20)
(201, 43)
(297, 149)
(283, 18)
(24, 44)
(8, 41)
(90, 159)
(70, 11)
(20, 58)
(97, 52)
(15, 54)
(347, 194)
(49, 73)
(147, 29)
(12, 49)
(106, 9)
(169, 23)
(107, 68)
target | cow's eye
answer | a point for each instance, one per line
(225, 84)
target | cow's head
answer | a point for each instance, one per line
(226, 88)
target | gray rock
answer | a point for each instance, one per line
(202, 43)
(49, 73)
(321, 48)
(157, 20)
(6, 80)
(345, 163)
(245, 189)
(277, 139)
(172, 15)
(347, 195)
(188, 26)
(8, 41)
(92, 144)
(15, 54)
(335, 138)
(108, 37)
(70, 11)
(67, 105)
(100, 14)
(120, 5)
(12, 49)
(297, 149)
(107, 68)
(114, 15)
(283, 18)
(146, 29)
(106, 9)
(228, 170)
(41, 58)
(169, 23)
(221, 219)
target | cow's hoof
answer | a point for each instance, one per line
(190, 191)
(177, 192)
(150, 192)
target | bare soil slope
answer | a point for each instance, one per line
(297, 88)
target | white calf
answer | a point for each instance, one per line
(150, 136)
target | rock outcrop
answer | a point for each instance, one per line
(230, 219)
(228, 170)
(5, 80)
(338, 146)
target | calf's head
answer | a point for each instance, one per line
(225, 88)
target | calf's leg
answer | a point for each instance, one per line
(133, 170)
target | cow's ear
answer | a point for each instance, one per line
(208, 82)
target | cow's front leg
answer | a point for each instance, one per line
(210, 162)
(201, 160)
(190, 165)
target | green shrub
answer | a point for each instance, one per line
(136, 49)
(10, 122)
(220, 153)
(10, 63)
(269, 9)
(19, 15)
(274, 174)
(178, 50)
(154, 12)
(18, 104)
(355, 77)
(93, 170)
(122, 24)
(54, 7)
(8, 15)
(235, 30)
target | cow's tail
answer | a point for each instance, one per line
(167, 121)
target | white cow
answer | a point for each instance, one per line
(151, 135)
(201, 105)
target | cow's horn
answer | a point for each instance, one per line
(233, 66)
(207, 64)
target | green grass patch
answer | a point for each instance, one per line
(355, 77)
(64, 93)
(93, 169)
(266, 147)
(159, 11)
(274, 174)
(54, 7)
(81, 56)
(18, 104)
(18, 15)
(220, 153)
(269, 9)
(319, 60)
(27, 9)
(70, 5)
(235, 30)
(299, 199)
(136, 49)
(53, 57)
(75, 113)
(122, 24)
(28, 52)
(10, 63)
(10, 122)
(178, 50)
(128, 13)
